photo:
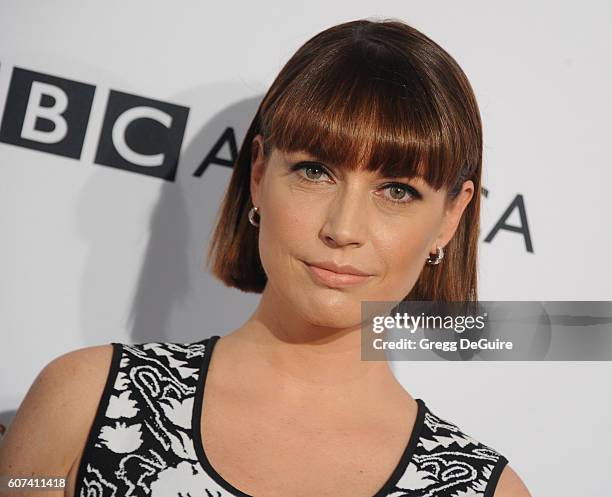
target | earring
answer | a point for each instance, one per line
(438, 258)
(252, 215)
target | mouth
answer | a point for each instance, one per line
(332, 279)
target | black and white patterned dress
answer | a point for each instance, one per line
(145, 439)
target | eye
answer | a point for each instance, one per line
(308, 167)
(401, 193)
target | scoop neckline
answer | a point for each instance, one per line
(205, 464)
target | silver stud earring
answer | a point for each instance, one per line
(438, 258)
(252, 215)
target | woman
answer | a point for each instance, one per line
(358, 179)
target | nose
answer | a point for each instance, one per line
(346, 219)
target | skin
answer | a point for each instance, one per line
(345, 217)
(296, 362)
(351, 218)
(291, 379)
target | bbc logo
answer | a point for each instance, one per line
(51, 114)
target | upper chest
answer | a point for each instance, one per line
(267, 451)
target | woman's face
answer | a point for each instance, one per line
(384, 227)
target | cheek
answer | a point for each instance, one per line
(285, 230)
(403, 250)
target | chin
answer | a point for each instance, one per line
(339, 311)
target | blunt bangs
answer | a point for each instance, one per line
(368, 106)
(366, 94)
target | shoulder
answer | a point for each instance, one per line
(91, 363)
(445, 440)
(510, 485)
(170, 354)
(78, 374)
(166, 361)
(75, 375)
(53, 419)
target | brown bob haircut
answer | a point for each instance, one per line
(373, 94)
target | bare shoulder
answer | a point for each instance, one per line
(53, 420)
(510, 484)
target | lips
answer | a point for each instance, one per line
(333, 279)
(338, 268)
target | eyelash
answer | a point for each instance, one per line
(407, 188)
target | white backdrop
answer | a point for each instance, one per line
(91, 254)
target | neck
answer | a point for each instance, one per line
(300, 359)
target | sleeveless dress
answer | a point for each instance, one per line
(145, 439)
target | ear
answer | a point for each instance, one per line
(452, 214)
(257, 167)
